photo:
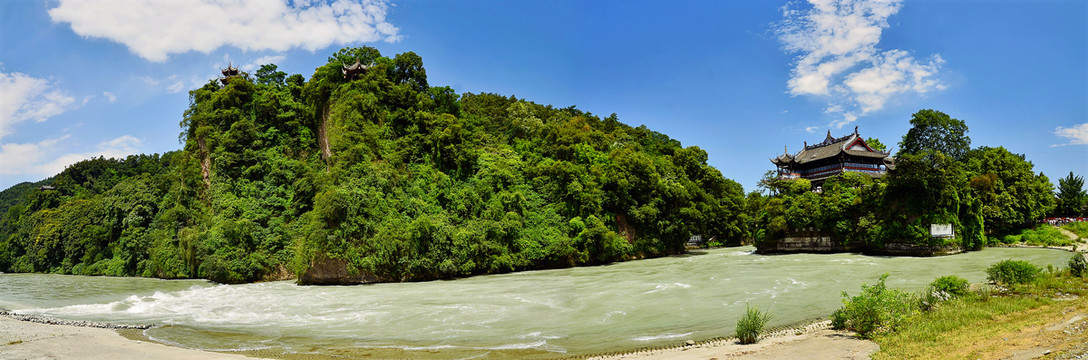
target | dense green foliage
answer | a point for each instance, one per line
(1012, 272)
(950, 284)
(876, 144)
(934, 131)
(983, 193)
(393, 178)
(842, 208)
(875, 310)
(1042, 235)
(751, 324)
(13, 204)
(1072, 198)
(1078, 265)
(1012, 195)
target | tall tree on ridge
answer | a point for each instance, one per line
(1071, 196)
(932, 130)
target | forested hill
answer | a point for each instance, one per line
(377, 177)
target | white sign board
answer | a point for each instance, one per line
(941, 230)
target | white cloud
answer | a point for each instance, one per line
(1077, 134)
(837, 57)
(149, 80)
(176, 87)
(109, 96)
(173, 84)
(46, 158)
(155, 29)
(25, 98)
(254, 65)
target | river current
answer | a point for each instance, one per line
(549, 313)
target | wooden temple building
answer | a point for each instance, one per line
(834, 156)
(228, 73)
(354, 70)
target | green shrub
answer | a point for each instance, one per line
(1079, 227)
(751, 325)
(1010, 239)
(1078, 265)
(1044, 235)
(950, 284)
(876, 309)
(942, 289)
(1012, 272)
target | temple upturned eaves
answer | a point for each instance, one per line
(354, 70)
(228, 73)
(834, 156)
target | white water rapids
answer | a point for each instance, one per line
(546, 313)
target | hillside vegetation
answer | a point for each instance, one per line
(377, 178)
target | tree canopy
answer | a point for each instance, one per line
(1072, 198)
(378, 177)
(935, 131)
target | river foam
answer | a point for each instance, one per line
(566, 311)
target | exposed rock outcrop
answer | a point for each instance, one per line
(326, 271)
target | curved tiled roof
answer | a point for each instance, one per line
(830, 147)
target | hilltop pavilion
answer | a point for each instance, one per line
(834, 156)
(228, 73)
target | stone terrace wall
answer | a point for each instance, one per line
(806, 241)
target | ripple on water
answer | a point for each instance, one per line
(664, 336)
(579, 311)
(668, 287)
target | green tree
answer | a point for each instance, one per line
(925, 188)
(876, 144)
(269, 75)
(1072, 199)
(935, 131)
(1012, 195)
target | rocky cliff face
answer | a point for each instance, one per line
(326, 271)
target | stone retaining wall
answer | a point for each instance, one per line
(822, 242)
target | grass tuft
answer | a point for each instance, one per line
(751, 325)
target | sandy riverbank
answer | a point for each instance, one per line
(30, 340)
(815, 341)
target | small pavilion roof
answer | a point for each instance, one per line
(354, 69)
(230, 70)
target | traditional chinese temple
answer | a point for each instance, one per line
(228, 73)
(834, 156)
(354, 70)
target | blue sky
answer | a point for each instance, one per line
(740, 79)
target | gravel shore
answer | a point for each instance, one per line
(38, 337)
(35, 337)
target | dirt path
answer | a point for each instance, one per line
(1078, 242)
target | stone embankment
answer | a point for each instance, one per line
(820, 242)
(51, 321)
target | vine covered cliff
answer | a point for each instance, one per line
(372, 177)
